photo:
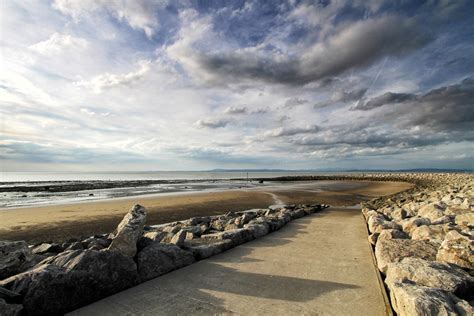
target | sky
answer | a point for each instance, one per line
(131, 85)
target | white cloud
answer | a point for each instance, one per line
(107, 80)
(139, 14)
(57, 43)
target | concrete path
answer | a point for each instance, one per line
(320, 265)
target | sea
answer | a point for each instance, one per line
(180, 182)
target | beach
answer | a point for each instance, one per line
(60, 222)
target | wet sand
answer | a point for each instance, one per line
(61, 222)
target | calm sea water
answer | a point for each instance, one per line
(149, 175)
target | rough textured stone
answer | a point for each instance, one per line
(10, 309)
(394, 250)
(466, 219)
(392, 234)
(457, 249)
(72, 279)
(373, 238)
(202, 248)
(46, 248)
(257, 230)
(15, 257)
(128, 231)
(411, 299)
(179, 238)
(432, 232)
(433, 274)
(414, 222)
(432, 211)
(158, 259)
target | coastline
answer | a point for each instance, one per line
(60, 222)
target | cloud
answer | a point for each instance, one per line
(447, 108)
(353, 46)
(292, 102)
(291, 131)
(342, 96)
(139, 14)
(212, 123)
(57, 43)
(386, 98)
(236, 110)
(107, 80)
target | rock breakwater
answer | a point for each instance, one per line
(424, 244)
(53, 279)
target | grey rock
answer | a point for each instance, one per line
(205, 248)
(128, 231)
(72, 279)
(238, 236)
(410, 224)
(46, 248)
(257, 230)
(173, 229)
(377, 223)
(15, 257)
(394, 250)
(158, 259)
(10, 309)
(432, 274)
(432, 232)
(399, 214)
(392, 234)
(179, 238)
(410, 299)
(457, 249)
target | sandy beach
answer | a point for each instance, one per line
(61, 222)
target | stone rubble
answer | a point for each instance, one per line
(424, 244)
(53, 279)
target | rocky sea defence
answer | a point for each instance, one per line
(53, 279)
(424, 244)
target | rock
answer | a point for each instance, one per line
(392, 234)
(190, 236)
(297, 213)
(128, 231)
(10, 309)
(466, 219)
(72, 279)
(414, 222)
(373, 238)
(432, 274)
(77, 245)
(432, 211)
(443, 220)
(205, 248)
(411, 299)
(432, 232)
(257, 230)
(179, 238)
(218, 224)
(172, 229)
(15, 257)
(399, 214)
(46, 248)
(377, 223)
(394, 250)
(457, 249)
(238, 236)
(158, 259)
(231, 227)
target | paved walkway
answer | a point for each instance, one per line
(320, 264)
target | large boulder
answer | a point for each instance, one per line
(238, 236)
(410, 224)
(433, 274)
(72, 279)
(394, 250)
(15, 257)
(466, 219)
(179, 238)
(377, 223)
(158, 259)
(10, 309)
(205, 248)
(432, 211)
(128, 231)
(409, 299)
(46, 248)
(392, 234)
(458, 249)
(257, 230)
(432, 232)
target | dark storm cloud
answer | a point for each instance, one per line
(355, 45)
(386, 98)
(446, 108)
